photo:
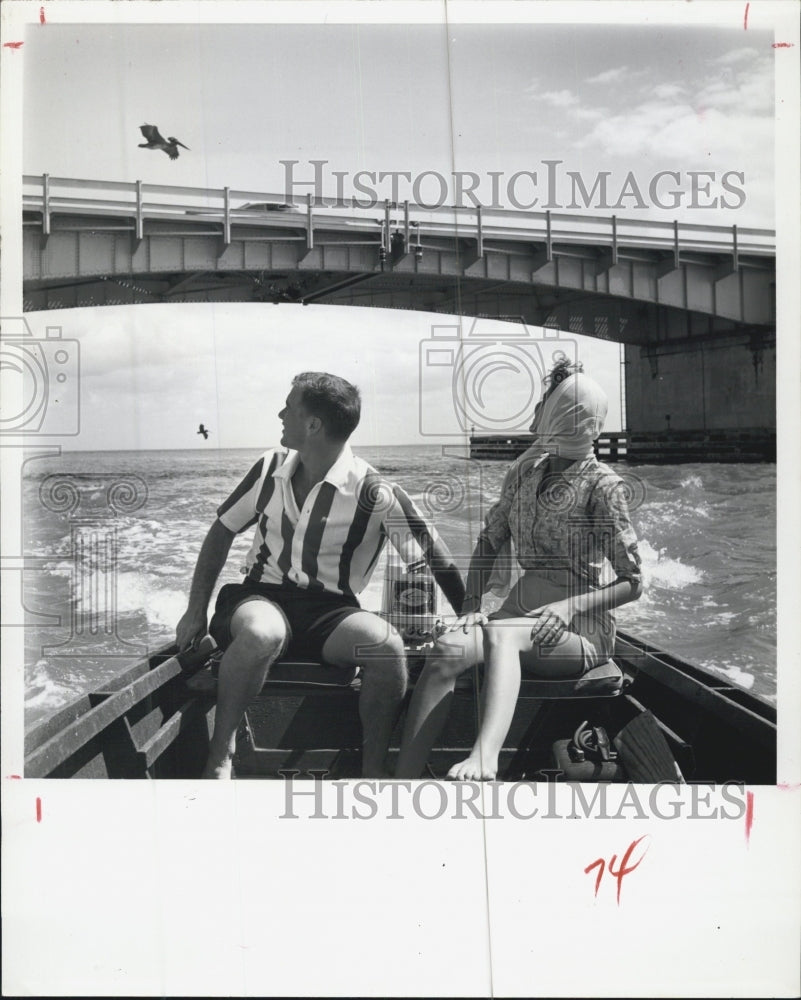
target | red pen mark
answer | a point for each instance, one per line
(14, 777)
(13, 45)
(783, 45)
(38, 810)
(783, 786)
(622, 870)
(745, 19)
(41, 15)
(749, 815)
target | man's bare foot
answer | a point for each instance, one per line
(220, 770)
(475, 768)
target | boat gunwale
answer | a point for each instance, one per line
(149, 676)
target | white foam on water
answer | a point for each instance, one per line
(662, 570)
(43, 691)
(736, 675)
(166, 610)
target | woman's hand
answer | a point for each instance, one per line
(552, 621)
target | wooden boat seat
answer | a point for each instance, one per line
(310, 673)
(606, 680)
(306, 673)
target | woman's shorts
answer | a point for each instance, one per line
(596, 632)
(310, 617)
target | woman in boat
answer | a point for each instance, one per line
(568, 519)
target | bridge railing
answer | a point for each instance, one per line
(138, 201)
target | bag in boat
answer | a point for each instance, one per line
(638, 753)
(588, 756)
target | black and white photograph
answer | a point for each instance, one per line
(400, 463)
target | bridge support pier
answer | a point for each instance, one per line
(724, 387)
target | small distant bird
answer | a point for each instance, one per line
(155, 140)
(202, 430)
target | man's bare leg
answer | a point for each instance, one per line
(368, 641)
(430, 705)
(258, 631)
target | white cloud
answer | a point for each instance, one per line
(584, 114)
(746, 54)
(749, 92)
(609, 75)
(559, 98)
(668, 91)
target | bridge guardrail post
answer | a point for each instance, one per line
(310, 222)
(140, 217)
(226, 216)
(46, 204)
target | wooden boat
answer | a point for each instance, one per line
(150, 723)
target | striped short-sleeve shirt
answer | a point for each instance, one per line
(331, 544)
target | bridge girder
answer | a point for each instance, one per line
(634, 297)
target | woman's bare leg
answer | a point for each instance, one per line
(431, 700)
(504, 642)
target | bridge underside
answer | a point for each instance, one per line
(584, 312)
(699, 329)
(634, 297)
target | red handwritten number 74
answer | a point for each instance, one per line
(623, 870)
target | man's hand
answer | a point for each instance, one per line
(191, 629)
(473, 619)
(552, 621)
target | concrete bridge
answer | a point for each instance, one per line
(694, 304)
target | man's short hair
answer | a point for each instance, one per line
(334, 401)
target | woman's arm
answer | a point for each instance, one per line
(613, 595)
(610, 518)
(552, 619)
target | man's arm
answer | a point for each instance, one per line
(446, 574)
(406, 517)
(213, 554)
(478, 575)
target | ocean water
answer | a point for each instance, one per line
(116, 536)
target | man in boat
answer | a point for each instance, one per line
(321, 516)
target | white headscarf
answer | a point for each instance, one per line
(567, 424)
(572, 418)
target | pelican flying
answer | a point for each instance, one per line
(155, 140)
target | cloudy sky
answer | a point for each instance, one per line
(611, 99)
(150, 374)
(409, 97)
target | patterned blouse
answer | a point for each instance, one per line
(570, 526)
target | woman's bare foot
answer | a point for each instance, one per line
(219, 770)
(476, 768)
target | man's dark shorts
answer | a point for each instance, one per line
(310, 616)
